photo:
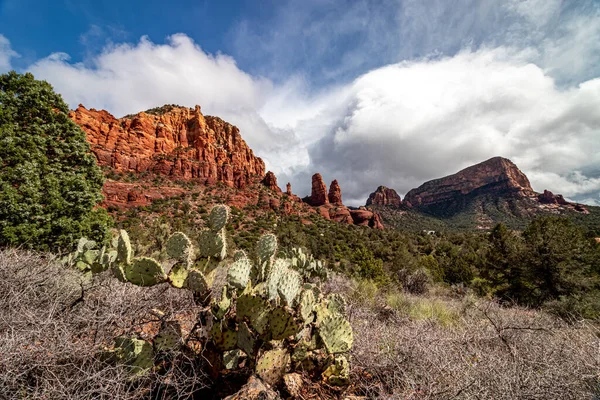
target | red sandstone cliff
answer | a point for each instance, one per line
(498, 176)
(180, 143)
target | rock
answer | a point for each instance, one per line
(293, 384)
(335, 193)
(341, 214)
(384, 196)
(497, 176)
(550, 198)
(288, 189)
(318, 196)
(270, 181)
(255, 389)
(364, 217)
(324, 211)
(178, 142)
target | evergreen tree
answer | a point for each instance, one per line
(49, 181)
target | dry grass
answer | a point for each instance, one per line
(53, 325)
(409, 351)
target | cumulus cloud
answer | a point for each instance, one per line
(6, 54)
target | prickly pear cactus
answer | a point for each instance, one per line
(270, 317)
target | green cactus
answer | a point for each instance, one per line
(218, 217)
(239, 255)
(336, 303)
(145, 271)
(239, 273)
(220, 309)
(278, 270)
(179, 247)
(272, 365)
(124, 250)
(170, 337)
(336, 333)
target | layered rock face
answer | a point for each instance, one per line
(384, 196)
(497, 176)
(180, 143)
(335, 193)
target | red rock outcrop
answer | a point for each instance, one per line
(498, 176)
(270, 181)
(550, 198)
(180, 143)
(335, 193)
(364, 217)
(384, 196)
(318, 195)
(288, 189)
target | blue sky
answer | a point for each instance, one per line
(391, 92)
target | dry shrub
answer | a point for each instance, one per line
(490, 352)
(53, 325)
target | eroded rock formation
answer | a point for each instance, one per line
(384, 196)
(178, 142)
(335, 193)
(270, 181)
(318, 195)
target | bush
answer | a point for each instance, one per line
(50, 182)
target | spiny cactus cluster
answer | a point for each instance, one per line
(268, 318)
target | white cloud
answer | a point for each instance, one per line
(6, 53)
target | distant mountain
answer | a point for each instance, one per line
(476, 197)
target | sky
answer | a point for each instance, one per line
(386, 92)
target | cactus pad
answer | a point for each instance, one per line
(283, 323)
(289, 286)
(274, 276)
(196, 282)
(212, 245)
(272, 365)
(336, 333)
(170, 337)
(145, 271)
(119, 272)
(90, 256)
(246, 339)
(255, 309)
(266, 248)
(135, 353)
(218, 217)
(178, 275)
(223, 336)
(180, 247)
(124, 251)
(220, 309)
(307, 306)
(239, 273)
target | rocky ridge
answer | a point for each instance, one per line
(180, 143)
(384, 196)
